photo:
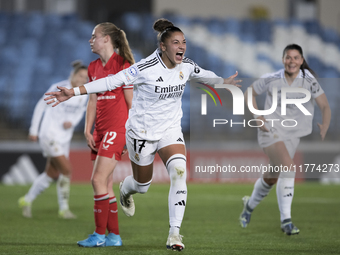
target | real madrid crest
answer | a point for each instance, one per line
(137, 157)
(181, 75)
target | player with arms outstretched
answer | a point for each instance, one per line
(154, 123)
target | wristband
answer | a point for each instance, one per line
(256, 116)
(76, 91)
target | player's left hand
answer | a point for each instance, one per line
(323, 131)
(231, 80)
(124, 151)
(67, 124)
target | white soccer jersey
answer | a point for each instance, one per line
(157, 93)
(54, 117)
(304, 122)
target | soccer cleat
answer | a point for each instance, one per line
(94, 240)
(127, 203)
(113, 240)
(246, 214)
(26, 207)
(174, 243)
(66, 214)
(288, 228)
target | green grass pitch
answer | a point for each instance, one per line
(210, 224)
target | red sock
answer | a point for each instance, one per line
(101, 209)
(112, 221)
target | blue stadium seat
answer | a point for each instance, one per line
(330, 72)
(232, 26)
(330, 35)
(180, 20)
(312, 27)
(215, 26)
(132, 21)
(35, 25)
(215, 64)
(137, 55)
(280, 22)
(84, 29)
(263, 31)
(228, 69)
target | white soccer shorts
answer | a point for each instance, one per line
(266, 139)
(52, 148)
(142, 152)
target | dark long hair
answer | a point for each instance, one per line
(164, 28)
(304, 64)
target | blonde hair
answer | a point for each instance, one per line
(118, 39)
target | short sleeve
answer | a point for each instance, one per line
(315, 87)
(261, 85)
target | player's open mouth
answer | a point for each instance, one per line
(179, 55)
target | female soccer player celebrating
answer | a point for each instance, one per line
(55, 134)
(109, 111)
(154, 123)
(280, 143)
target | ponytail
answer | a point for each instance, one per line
(119, 41)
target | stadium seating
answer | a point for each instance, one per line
(36, 50)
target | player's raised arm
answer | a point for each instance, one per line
(98, 86)
(209, 77)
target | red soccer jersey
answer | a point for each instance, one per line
(111, 110)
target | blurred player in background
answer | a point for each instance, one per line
(55, 134)
(280, 143)
(154, 123)
(109, 112)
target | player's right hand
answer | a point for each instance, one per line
(33, 138)
(90, 142)
(57, 97)
(259, 123)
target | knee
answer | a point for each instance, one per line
(97, 181)
(176, 166)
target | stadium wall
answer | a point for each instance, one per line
(219, 8)
(22, 162)
(328, 11)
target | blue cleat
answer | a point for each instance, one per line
(113, 240)
(246, 213)
(288, 227)
(94, 240)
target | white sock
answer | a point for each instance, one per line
(285, 193)
(176, 166)
(63, 191)
(260, 191)
(131, 186)
(39, 185)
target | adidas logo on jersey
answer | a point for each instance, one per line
(160, 79)
(182, 203)
(179, 140)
